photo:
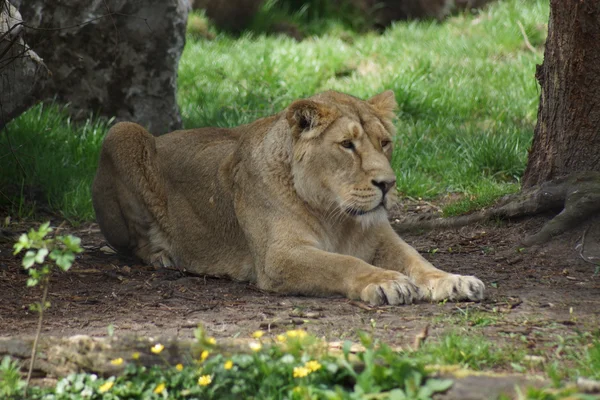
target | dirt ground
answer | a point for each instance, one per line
(532, 294)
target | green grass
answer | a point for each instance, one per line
(300, 367)
(52, 163)
(466, 90)
(575, 356)
(468, 351)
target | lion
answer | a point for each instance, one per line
(295, 202)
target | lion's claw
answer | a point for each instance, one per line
(457, 287)
(393, 292)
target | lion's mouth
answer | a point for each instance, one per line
(354, 212)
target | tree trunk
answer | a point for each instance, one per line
(567, 135)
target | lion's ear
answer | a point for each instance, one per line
(385, 103)
(309, 118)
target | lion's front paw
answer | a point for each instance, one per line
(456, 287)
(393, 290)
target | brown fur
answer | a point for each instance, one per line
(294, 202)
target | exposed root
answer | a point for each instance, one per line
(577, 195)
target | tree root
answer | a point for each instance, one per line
(576, 198)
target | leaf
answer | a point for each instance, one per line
(72, 243)
(22, 243)
(54, 254)
(32, 282)
(517, 367)
(44, 229)
(29, 259)
(41, 255)
(65, 261)
(439, 385)
(397, 394)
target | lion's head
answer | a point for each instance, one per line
(342, 147)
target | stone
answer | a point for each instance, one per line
(111, 57)
(22, 71)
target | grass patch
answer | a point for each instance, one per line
(53, 164)
(468, 351)
(298, 368)
(295, 365)
(468, 317)
(575, 356)
(466, 89)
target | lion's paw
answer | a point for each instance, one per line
(393, 291)
(456, 287)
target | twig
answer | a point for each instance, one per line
(581, 249)
(526, 39)
(360, 305)
(420, 337)
(8, 199)
(114, 24)
(37, 335)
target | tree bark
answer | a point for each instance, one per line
(567, 134)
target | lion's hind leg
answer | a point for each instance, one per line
(129, 195)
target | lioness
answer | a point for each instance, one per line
(296, 202)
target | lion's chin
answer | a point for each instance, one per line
(369, 218)
(355, 212)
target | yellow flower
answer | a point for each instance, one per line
(106, 386)
(296, 333)
(157, 348)
(301, 372)
(117, 361)
(204, 355)
(258, 334)
(211, 341)
(179, 367)
(159, 388)
(255, 346)
(204, 380)
(281, 338)
(136, 355)
(313, 365)
(228, 365)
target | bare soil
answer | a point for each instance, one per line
(532, 295)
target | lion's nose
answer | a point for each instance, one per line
(384, 184)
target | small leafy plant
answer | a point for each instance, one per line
(11, 384)
(61, 251)
(292, 365)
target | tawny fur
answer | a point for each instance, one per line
(296, 202)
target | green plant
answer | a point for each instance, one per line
(49, 163)
(11, 384)
(61, 251)
(470, 351)
(293, 366)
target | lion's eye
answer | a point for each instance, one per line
(385, 143)
(347, 144)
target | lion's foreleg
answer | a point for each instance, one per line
(310, 271)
